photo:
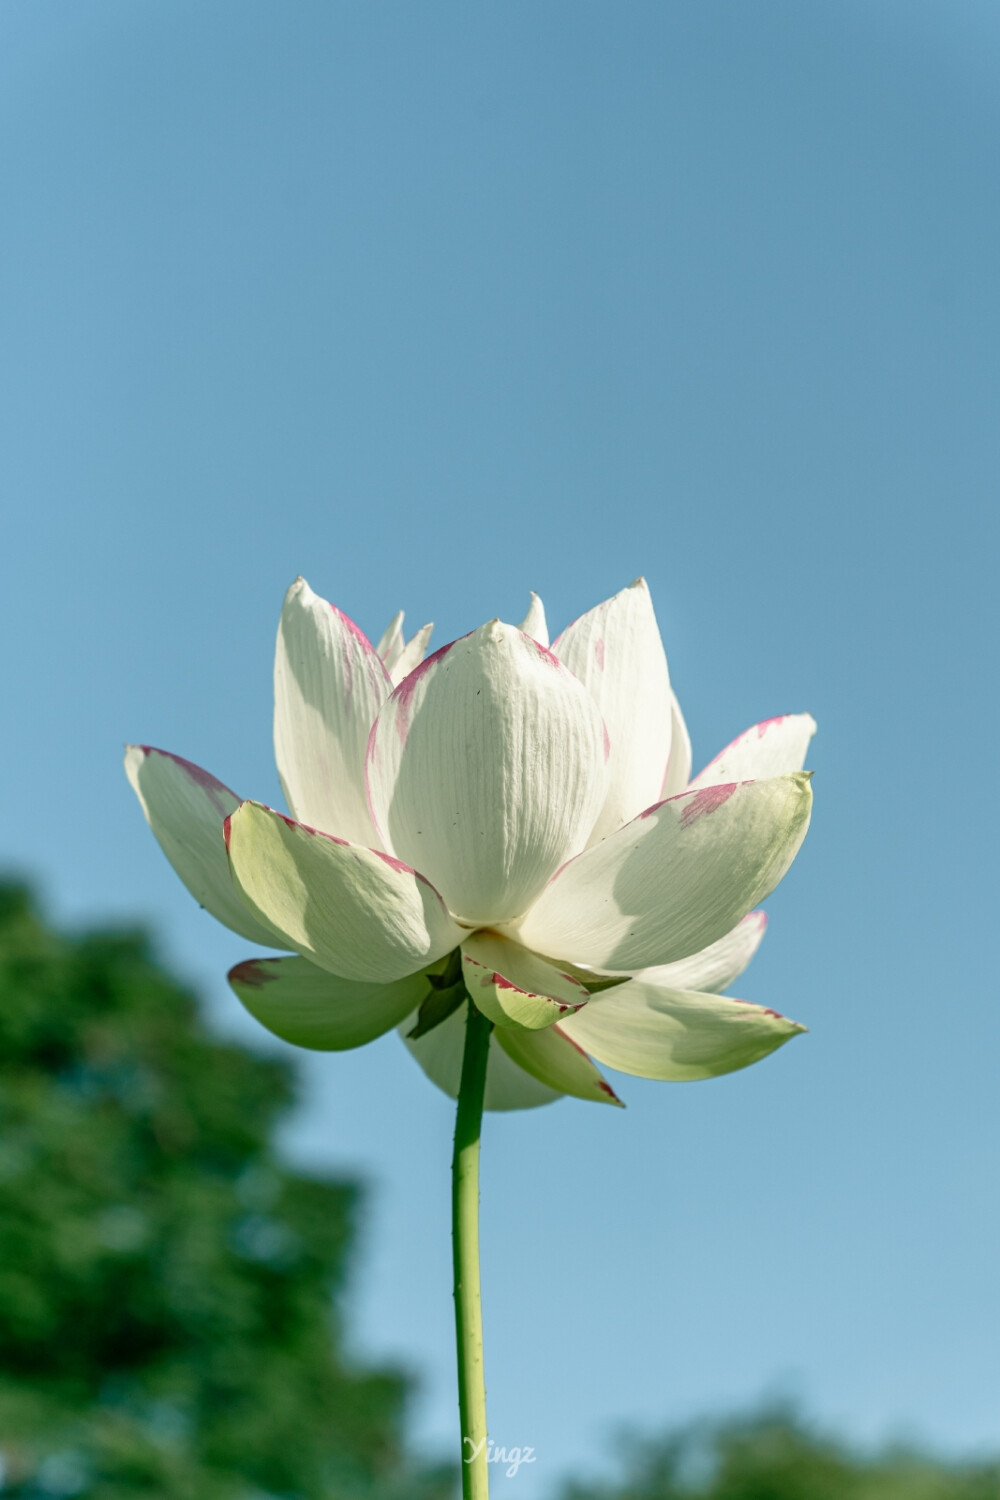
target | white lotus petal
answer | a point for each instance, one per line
(679, 765)
(411, 655)
(772, 748)
(486, 769)
(392, 642)
(329, 684)
(515, 987)
(186, 807)
(534, 622)
(440, 1051)
(556, 1059)
(355, 911)
(616, 651)
(675, 879)
(676, 1035)
(313, 1008)
(715, 967)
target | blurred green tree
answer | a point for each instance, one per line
(775, 1455)
(169, 1290)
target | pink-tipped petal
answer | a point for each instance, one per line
(674, 880)
(486, 770)
(775, 747)
(329, 683)
(515, 987)
(559, 1061)
(186, 807)
(309, 1007)
(354, 911)
(616, 652)
(676, 1035)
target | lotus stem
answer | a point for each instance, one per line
(465, 1240)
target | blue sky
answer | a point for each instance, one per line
(435, 304)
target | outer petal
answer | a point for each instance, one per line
(392, 642)
(329, 684)
(534, 622)
(679, 765)
(185, 807)
(515, 987)
(411, 655)
(715, 967)
(676, 1035)
(356, 912)
(486, 770)
(556, 1059)
(311, 1008)
(439, 1053)
(616, 651)
(772, 748)
(675, 879)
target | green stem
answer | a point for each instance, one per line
(465, 1238)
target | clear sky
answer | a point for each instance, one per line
(438, 303)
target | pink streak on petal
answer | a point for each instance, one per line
(254, 973)
(607, 744)
(403, 695)
(765, 724)
(395, 864)
(599, 653)
(214, 789)
(706, 801)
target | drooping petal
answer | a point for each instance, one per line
(439, 1053)
(674, 880)
(486, 770)
(392, 642)
(515, 987)
(616, 651)
(329, 683)
(313, 1008)
(411, 655)
(676, 1035)
(557, 1060)
(715, 967)
(186, 807)
(773, 748)
(354, 911)
(534, 622)
(679, 765)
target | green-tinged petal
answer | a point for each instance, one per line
(556, 1059)
(674, 880)
(679, 765)
(486, 769)
(616, 651)
(715, 967)
(676, 1035)
(775, 747)
(534, 623)
(186, 808)
(312, 1008)
(515, 987)
(329, 683)
(439, 1054)
(354, 911)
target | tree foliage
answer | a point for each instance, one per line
(169, 1290)
(776, 1455)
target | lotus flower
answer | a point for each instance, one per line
(503, 820)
